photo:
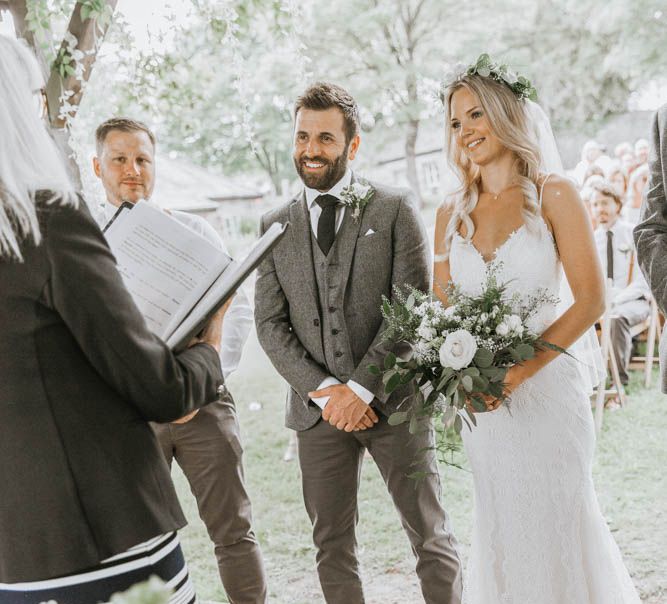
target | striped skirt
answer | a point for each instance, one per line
(161, 557)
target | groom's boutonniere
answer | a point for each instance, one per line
(356, 197)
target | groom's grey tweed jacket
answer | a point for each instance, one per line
(385, 247)
(651, 232)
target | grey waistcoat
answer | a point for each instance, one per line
(335, 338)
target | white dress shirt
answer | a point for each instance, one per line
(239, 317)
(315, 212)
(623, 246)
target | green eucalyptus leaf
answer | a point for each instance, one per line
(448, 415)
(387, 375)
(458, 424)
(452, 386)
(480, 383)
(525, 351)
(393, 383)
(389, 360)
(374, 369)
(466, 381)
(483, 358)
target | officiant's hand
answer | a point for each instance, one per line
(345, 410)
(212, 333)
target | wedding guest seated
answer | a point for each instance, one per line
(88, 507)
(617, 178)
(622, 148)
(641, 151)
(593, 170)
(586, 194)
(628, 163)
(635, 194)
(616, 249)
(590, 152)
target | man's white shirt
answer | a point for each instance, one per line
(239, 317)
(315, 212)
(624, 254)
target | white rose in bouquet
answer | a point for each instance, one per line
(458, 349)
(515, 324)
(502, 329)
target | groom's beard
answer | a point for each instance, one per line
(330, 173)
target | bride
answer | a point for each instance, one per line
(539, 536)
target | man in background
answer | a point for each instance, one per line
(207, 443)
(615, 245)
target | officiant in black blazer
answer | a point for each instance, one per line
(83, 478)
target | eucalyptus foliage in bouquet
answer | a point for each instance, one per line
(459, 354)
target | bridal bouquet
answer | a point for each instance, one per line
(459, 354)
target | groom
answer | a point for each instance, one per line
(317, 310)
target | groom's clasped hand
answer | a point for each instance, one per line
(345, 410)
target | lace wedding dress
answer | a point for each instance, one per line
(538, 535)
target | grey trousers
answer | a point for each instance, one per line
(626, 316)
(208, 450)
(330, 462)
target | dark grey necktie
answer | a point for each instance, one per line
(326, 225)
(610, 255)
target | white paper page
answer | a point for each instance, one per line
(165, 266)
(226, 284)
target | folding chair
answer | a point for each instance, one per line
(610, 361)
(649, 330)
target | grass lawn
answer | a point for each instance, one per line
(629, 475)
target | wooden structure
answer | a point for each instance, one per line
(89, 34)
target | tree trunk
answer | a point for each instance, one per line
(87, 33)
(411, 158)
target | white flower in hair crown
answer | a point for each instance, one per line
(487, 68)
(356, 197)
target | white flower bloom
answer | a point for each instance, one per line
(483, 318)
(421, 349)
(450, 311)
(458, 349)
(425, 332)
(420, 309)
(360, 190)
(514, 323)
(502, 329)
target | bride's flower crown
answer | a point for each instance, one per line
(520, 86)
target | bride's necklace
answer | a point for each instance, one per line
(496, 196)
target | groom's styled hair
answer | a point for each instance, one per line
(323, 95)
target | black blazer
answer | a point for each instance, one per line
(81, 475)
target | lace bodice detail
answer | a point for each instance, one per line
(526, 261)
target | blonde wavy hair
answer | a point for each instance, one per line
(29, 159)
(509, 122)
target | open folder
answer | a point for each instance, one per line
(176, 277)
